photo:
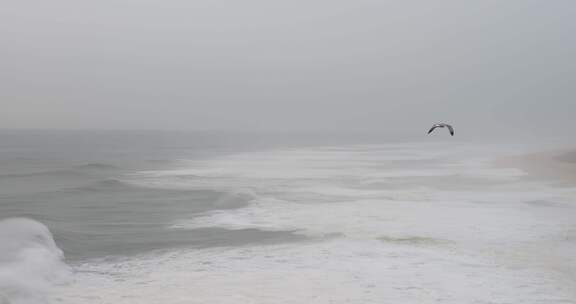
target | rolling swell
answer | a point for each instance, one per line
(79, 171)
(115, 218)
(98, 166)
(106, 185)
(44, 174)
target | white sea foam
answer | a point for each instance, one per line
(337, 271)
(448, 229)
(30, 262)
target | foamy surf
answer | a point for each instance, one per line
(30, 262)
(444, 227)
(333, 271)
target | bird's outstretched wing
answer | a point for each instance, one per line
(432, 129)
(451, 129)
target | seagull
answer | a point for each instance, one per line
(442, 125)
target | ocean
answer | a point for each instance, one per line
(158, 217)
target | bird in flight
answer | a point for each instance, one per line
(442, 125)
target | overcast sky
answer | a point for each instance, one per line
(287, 65)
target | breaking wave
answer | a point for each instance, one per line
(30, 262)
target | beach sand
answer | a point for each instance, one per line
(557, 165)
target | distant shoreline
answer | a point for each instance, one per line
(559, 165)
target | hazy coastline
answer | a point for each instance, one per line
(558, 165)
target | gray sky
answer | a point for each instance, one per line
(287, 65)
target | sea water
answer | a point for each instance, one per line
(113, 217)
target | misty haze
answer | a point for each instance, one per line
(267, 152)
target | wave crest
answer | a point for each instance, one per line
(30, 262)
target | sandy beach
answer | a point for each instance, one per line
(556, 165)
